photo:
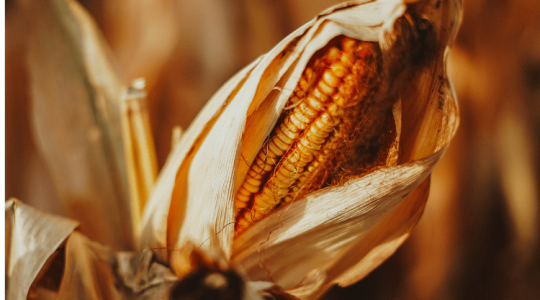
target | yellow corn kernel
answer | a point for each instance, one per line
(304, 144)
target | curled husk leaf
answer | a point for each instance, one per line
(45, 257)
(334, 235)
(31, 238)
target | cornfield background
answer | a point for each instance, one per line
(478, 237)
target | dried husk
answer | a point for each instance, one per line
(46, 257)
(31, 238)
(339, 233)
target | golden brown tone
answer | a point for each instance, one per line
(353, 148)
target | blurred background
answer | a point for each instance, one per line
(478, 237)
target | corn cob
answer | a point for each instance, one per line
(320, 120)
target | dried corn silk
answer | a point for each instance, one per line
(337, 123)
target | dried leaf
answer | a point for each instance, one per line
(76, 112)
(31, 238)
(84, 269)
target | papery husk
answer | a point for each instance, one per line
(319, 231)
(45, 256)
(76, 97)
(343, 231)
(31, 238)
(154, 222)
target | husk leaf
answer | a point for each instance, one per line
(155, 216)
(43, 250)
(31, 238)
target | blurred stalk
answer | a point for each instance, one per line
(139, 148)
